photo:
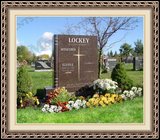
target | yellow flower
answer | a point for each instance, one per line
(109, 101)
(96, 95)
(101, 103)
(112, 100)
(37, 101)
(106, 101)
(119, 99)
(91, 100)
(27, 95)
(30, 94)
(107, 95)
(96, 102)
(21, 100)
(88, 104)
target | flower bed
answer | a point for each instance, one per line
(131, 94)
(103, 86)
(106, 93)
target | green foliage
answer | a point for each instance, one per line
(43, 57)
(115, 54)
(125, 50)
(28, 101)
(139, 48)
(24, 82)
(119, 75)
(62, 97)
(24, 54)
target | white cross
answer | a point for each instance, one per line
(78, 55)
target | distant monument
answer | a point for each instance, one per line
(137, 63)
(75, 61)
(109, 63)
(42, 65)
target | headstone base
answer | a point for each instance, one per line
(48, 89)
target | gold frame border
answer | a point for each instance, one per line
(6, 5)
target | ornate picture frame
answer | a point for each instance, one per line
(7, 6)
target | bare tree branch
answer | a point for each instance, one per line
(111, 45)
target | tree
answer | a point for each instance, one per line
(43, 57)
(119, 75)
(24, 54)
(111, 53)
(115, 54)
(34, 58)
(104, 28)
(139, 48)
(125, 50)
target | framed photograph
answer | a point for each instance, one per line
(44, 25)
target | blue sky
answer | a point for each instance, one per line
(36, 33)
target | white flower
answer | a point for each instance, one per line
(78, 102)
(134, 89)
(53, 107)
(69, 107)
(76, 106)
(101, 85)
(46, 106)
(50, 110)
(139, 89)
(139, 93)
(44, 110)
(71, 103)
(125, 92)
(84, 106)
(131, 93)
(123, 96)
(84, 102)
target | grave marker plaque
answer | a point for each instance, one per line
(42, 65)
(111, 63)
(137, 63)
(75, 61)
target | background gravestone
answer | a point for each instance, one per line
(42, 65)
(137, 63)
(111, 63)
(75, 61)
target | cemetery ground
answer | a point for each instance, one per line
(130, 111)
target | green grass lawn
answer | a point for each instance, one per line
(136, 76)
(43, 79)
(125, 112)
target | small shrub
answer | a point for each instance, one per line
(24, 82)
(28, 100)
(120, 76)
(58, 95)
(62, 97)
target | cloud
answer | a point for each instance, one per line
(17, 42)
(47, 36)
(44, 44)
